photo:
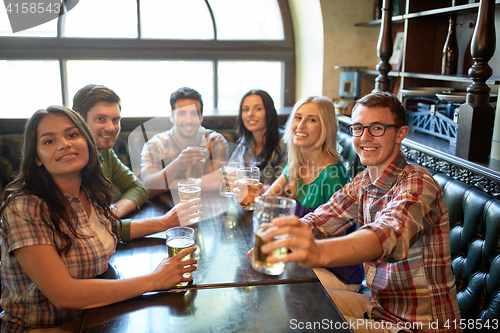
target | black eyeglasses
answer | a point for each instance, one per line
(374, 129)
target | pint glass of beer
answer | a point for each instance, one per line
(178, 239)
(188, 190)
(248, 186)
(266, 209)
(194, 172)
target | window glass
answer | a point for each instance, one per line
(26, 86)
(174, 19)
(48, 29)
(143, 86)
(102, 19)
(247, 20)
(238, 77)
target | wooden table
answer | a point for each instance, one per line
(226, 295)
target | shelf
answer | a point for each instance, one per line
(438, 11)
(427, 76)
(453, 78)
(375, 72)
(425, 28)
(395, 19)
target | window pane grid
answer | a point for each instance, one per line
(102, 19)
(143, 86)
(215, 83)
(26, 86)
(161, 19)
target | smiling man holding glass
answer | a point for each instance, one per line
(404, 240)
(187, 150)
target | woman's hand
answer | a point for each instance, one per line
(186, 211)
(170, 270)
(240, 192)
(181, 213)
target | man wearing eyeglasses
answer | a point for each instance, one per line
(403, 240)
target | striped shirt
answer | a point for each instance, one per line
(163, 148)
(23, 303)
(413, 280)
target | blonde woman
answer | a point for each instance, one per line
(315, 172)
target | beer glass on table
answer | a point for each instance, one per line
(266, 209)
(178, 239)
(248, 186)
(188, 190)
(195, 172)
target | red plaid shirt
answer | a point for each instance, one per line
(413, 280)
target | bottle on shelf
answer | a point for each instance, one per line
(449, 61)
(377, 9)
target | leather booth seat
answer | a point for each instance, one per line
(10, 156)
(475, 248)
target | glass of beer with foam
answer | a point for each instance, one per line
(189, 189)
(178, 239)
(248, 186)
(266, 209)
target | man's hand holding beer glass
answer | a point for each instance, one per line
(300, 240)
(190, 156)
(360, 246)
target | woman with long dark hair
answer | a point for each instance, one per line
(260, 138)
(59, 232)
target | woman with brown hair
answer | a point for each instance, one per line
(59, 232)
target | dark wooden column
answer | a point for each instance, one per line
(384, 48)
(476, 116)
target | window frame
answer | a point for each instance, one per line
(64, 48)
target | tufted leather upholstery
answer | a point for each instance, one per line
(475, 248)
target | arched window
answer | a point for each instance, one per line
(145, 49)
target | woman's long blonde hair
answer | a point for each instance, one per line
(327, 141)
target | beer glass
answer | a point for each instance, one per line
(188, 190)
(178, 239)
(248, 186)
(266, 209)
(194, 172)
(227, 170)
